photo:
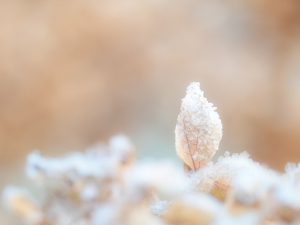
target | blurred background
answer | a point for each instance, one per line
(74, 72)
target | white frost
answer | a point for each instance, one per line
(159, 208)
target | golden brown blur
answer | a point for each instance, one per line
(73, 73)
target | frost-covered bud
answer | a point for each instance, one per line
(199, 129)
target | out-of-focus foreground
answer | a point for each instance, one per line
(75, 72)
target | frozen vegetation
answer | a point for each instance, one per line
(104, 186)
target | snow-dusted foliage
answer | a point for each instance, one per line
(199, 129)
(103, 186)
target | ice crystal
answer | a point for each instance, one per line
(159, 208)
(199, 129)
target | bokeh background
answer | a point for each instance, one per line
(75, 72)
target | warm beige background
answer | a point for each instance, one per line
(73, 72)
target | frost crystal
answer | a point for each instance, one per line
(199, 129)
(159, 208)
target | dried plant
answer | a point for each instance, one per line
(199, 129)
(103, 186)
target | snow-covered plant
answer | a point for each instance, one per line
(104, 186)
(199, 129)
